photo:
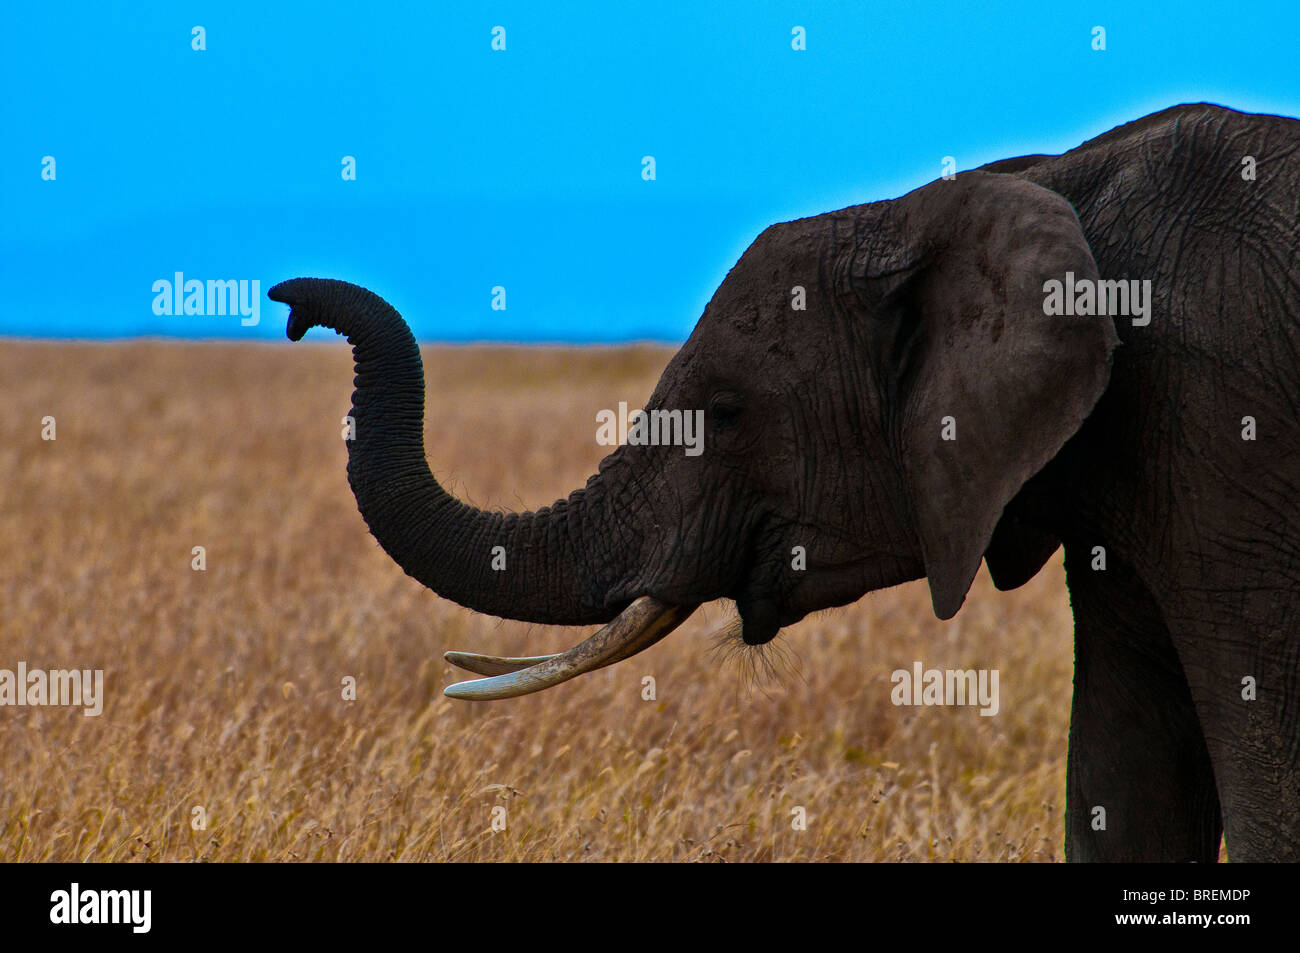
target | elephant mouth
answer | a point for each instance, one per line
(767, 602)
(643, 623)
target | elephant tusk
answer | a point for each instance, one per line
(639, 626)
(503, 665)
(493, 664)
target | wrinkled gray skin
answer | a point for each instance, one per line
(823, 431)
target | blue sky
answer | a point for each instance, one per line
(522, 168)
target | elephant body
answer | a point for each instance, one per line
(1201, 589)
(927, 409)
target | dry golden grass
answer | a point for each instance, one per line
(223, 687)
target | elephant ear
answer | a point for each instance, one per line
(980, 386)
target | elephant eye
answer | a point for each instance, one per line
(726, 408)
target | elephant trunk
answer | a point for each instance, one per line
(544, 572)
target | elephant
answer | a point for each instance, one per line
(966, 380)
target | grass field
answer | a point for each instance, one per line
(223, 687)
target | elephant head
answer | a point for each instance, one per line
(876, 383)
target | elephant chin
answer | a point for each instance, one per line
(639, 626)
(760, 620)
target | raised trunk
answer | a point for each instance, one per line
(557, 568)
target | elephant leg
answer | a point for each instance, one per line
(1246, 680)
(1136, 752)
